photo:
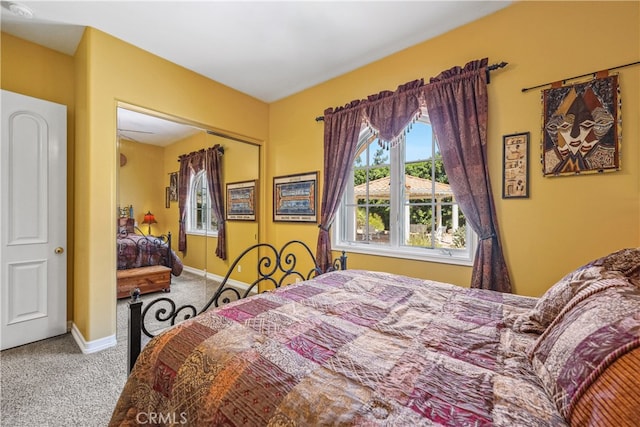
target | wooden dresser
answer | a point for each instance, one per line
(148, 279)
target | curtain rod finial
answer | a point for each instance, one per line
(496, 66)
(320, 119)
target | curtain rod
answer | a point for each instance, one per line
(220, 149)
(233, 138)
(489, 68)
(577, 77)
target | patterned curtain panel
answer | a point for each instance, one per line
(190, 164)
(458, 108)
(341, 132)
(214, 181)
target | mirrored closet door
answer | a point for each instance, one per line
(149, 148)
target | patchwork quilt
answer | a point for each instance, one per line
(345, 348)
(135, 250)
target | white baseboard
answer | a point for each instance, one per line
(217, 278)
(88, 347)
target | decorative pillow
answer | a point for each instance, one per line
(600, 325)
(555, 299)
(625, 261)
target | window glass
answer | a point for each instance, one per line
(399, 202)
(370, 194)
(200, 219)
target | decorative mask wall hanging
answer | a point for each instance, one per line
(581, 132)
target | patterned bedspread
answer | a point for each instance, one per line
(346, 348)
(135, 250)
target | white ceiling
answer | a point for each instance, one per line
(266, 49)
(149, 129)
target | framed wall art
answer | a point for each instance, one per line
(581, 132)
(173, 186)
(515, 165)
(241, 201)
(167, 197)
(295, 198)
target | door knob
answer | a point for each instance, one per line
(58, 250)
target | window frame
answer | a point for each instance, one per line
(192, 208)
(341, 228)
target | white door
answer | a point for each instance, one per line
(33, 219)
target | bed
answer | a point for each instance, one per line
(355, 347)
(145, 262)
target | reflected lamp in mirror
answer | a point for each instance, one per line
(149, 219)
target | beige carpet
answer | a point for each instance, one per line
(52, 383)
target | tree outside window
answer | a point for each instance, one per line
(399, 200)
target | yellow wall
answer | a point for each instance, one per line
(195, 256)
(566, 221)
(36, 71)
(238, 166)
(142, 182)
(239, 163)
(115, 71)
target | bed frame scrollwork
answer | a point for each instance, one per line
(275, 268)
(159, 243)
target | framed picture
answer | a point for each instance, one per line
(241, 201)
(295, 198)
(581, 132)
(173, 186)
(167, 197)
(515, 165)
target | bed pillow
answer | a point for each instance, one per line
(555, 299)
(625, 262)
(600, 325)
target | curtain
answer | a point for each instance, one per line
(190, 164)
(213, 166)
(457, 103)
(341, 132)
(390, 113)
(458, 109)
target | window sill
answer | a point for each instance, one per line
(202, 233)
(430, 255)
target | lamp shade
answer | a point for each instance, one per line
(149, 218)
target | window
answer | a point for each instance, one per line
(200, 219)
(398, 202)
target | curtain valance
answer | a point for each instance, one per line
(389, 113)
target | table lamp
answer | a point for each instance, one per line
(149, 219)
